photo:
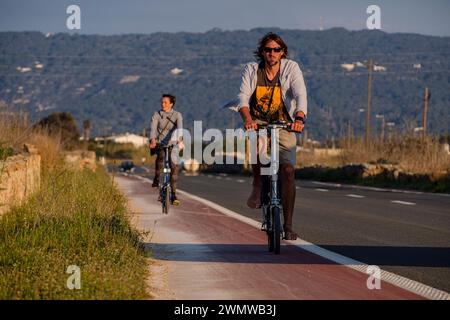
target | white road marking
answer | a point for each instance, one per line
(210, 175)
(378, 189)
(392, 278)
(297, 187)
(219, 178)
(355, 196)
(240, 181)
(322, 190)
(403, 202)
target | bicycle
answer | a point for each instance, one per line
(272, 208)
(165, 191)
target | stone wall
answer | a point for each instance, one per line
(20, 176)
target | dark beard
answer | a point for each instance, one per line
(271, 65)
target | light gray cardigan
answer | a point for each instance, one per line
(292, 86)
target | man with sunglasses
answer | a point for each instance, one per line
(272, 90)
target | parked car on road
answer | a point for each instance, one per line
(126, 165)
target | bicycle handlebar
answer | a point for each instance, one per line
(277, 125)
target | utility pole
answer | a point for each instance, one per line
(369, 99)
(425, 111)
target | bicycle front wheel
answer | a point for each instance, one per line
(166, 200)
(276, 229)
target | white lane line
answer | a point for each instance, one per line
(355, 196)
(227, 178)
(322, 190)
(297, 187)
(378, 189)
(210, 175)
(403, 202)
(219, 178)
(240, 181)
(392, 278)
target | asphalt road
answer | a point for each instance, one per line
(406, 233)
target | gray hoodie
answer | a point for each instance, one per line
(292, 87)
(166, 127)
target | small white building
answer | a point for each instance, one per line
(136, 140)
(176, 71)
(348, 66)
(23, 69)
(379, 68)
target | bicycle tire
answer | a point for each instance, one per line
(167, 199)
(163, 200)
(268, 224)
(276, 236)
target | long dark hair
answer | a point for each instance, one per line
(171, 97)
(259, 53)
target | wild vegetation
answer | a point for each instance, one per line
(78, 218)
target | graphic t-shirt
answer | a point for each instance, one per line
(266, 102)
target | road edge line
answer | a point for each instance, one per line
(407, 284)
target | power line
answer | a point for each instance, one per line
(220, 55)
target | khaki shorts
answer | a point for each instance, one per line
(287, 144)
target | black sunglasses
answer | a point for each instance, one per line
(277, 50)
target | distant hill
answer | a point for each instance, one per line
(116, 81)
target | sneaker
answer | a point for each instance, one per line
(175, 200)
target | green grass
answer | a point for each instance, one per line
(5, 151)
(78, 218)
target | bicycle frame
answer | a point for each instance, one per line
(272, 208)
(164, 188)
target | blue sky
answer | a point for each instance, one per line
(139, 16)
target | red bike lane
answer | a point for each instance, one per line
(201, 253)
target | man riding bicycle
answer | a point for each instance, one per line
(274, 90)
(166, 129)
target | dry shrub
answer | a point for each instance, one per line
(412, 154)
(15, 131)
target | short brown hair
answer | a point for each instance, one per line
(259, 53)
(171, 97)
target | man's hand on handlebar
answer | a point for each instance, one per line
(297, 126)
(250, 125)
